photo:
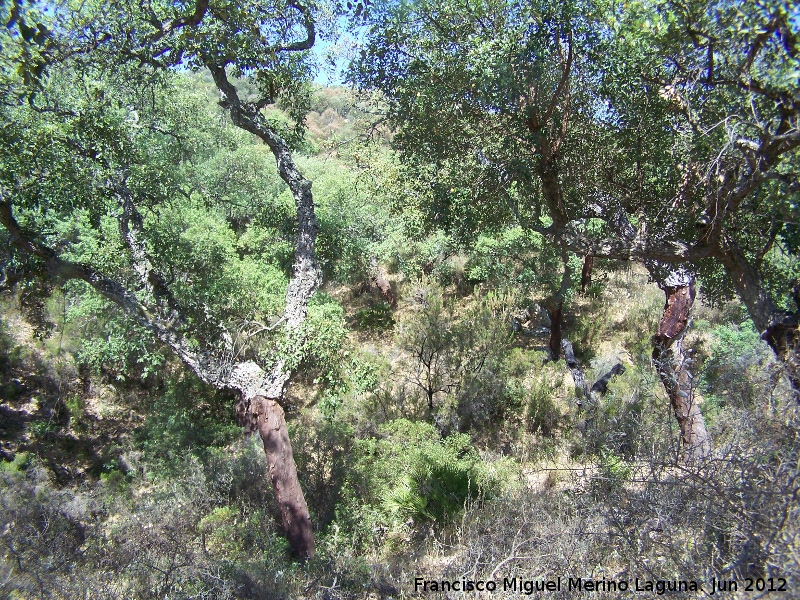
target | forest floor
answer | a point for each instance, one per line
(593, 495)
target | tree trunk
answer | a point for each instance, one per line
(780, 329)
(582, 389)
(306, 279)
(555, 329)
(265, 415)
(783, 336)
(672, 363)
(383, 285)
(586, 272)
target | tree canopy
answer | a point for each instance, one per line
(663, 132)
(161, 177)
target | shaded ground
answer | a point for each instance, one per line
(51, 408)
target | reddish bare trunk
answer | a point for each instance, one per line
(383, 285)
(586, 272)
(672, 364)
(267, 416)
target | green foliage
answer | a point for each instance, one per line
(20, 462)
(437, 482)
(409, 472)
(220, 532)
(541, 414)
(185, 417)
(613, 471)
(500, 259)
(201, 245)
(76, 408)
(455, 359)
(523, 261)
(111, 344)
(736, 373)
(353, 218)
(324, 339)
(377, 316)
(42, 429)
(419, 254)
(455, 78)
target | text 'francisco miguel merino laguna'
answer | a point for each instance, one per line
(529, 586)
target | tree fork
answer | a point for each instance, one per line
(672, 363)
(307, 277)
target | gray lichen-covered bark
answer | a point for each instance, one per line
(157, 310)
(149, 300)
(260, 405)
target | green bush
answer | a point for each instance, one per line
(20, 462)
(736, 372)
(438, 480)
(455, 361)
(187, 417)
(324, 338)
(377, 316)
(612, 472)
(408, 477)
(542, 415)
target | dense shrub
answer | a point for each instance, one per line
(407, 478)
(455, 361)
(186, 416)
(737, 372)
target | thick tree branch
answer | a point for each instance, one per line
(131, 227)
(308, 24)
(563, 84)
(202, 364)
(583, 392)
(244, 377)
(758, 43)
(307, 275)
(637, 249)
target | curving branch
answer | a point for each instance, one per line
(620, 247)
(563, 85)
(307, 274)
(308, 24)
(131, 228)
(245, 377)
(163, 29)
(202, 364)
